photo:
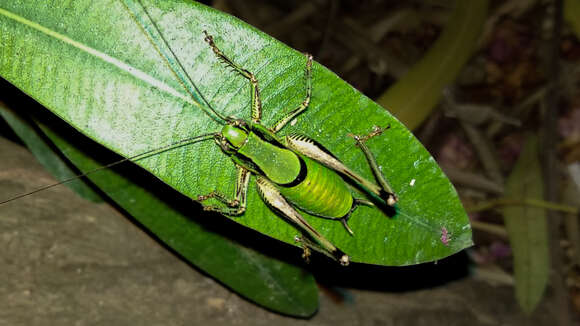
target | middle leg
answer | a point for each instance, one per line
(236, 206)
(316, 151)
(388, 194)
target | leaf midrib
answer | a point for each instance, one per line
(123, 66)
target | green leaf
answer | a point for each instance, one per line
(415, 95)
(271, 283)
(93, 66)
(527, 228)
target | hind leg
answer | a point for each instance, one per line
(316, 241)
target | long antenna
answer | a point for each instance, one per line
(151, 30)
(134, 158)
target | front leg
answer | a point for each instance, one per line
(255, 90)
(236, 206)
(273, 198)
(290, 116)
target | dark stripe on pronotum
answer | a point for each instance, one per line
(267, 138)
(302, 174)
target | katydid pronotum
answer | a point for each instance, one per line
(293, 173)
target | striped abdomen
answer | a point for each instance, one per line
(321, 192)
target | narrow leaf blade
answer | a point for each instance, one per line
(527, 228)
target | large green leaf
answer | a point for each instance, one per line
(93, 66)
(277, 285)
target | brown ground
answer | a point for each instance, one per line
(65, 261)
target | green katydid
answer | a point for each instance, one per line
(292, 172)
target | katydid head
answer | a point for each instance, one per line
(232, 136)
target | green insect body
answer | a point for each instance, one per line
(303, 181)
(292, 172)
(267, 158)
(322, 192)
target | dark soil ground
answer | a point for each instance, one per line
(67, 261)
